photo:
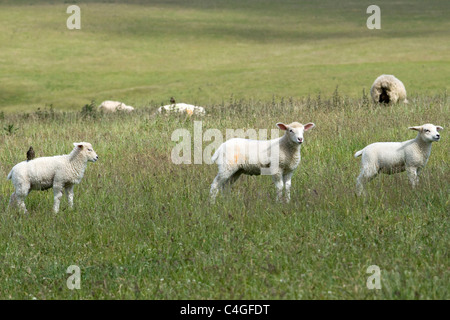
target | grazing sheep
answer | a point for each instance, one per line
(244, 156)
(58, 172)
(113, 106)
(388, 89)
(30, 154)
(392, 157)
(182, 108)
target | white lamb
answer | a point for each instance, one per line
(113, 106)
(182, 108)
(388, 89)
(58, 172)
(392, 157)
(278, 157)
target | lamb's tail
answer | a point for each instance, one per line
(216, 155)
(357, 154)
(9, 175)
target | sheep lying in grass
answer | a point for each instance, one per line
(388, 89)
(244, 156)
(392, 157)
(58, 172)
(182, 108)
(113, 106)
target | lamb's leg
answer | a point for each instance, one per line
(21, 203)
(278, 180)
(287, 184)
(413, 176)
(214, 189)
(12, 200)
(16, 200)
(219, 181)
(69, 194)
(366, 175)
(232, 180)
(57, 194)
(19, 195)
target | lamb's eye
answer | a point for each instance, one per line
(291, 130)
(426, 130)
(89, 150)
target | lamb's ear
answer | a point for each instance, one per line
(282, 126)
(79, 145)
(418, 128)
(439, 128)
(309, 126)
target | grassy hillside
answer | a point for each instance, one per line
(202, 51)
(142, 226)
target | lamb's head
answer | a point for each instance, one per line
(85, 148)
(428, 132)
(295, 130)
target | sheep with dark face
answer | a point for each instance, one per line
(384, 97)
(388, 89)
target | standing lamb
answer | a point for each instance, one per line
(113, 106)
(58, 172)
(392, 157)
(388, 89)
(244, 156)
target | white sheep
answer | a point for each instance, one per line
(113, 106)
(244, 156)
(182, 108)
(388, 89)
(58, 172)
(393, 157)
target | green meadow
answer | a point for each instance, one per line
(142, 227)
(202, 51)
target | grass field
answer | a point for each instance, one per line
(142, 227)
(145, 52)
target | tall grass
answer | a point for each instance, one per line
(142, 226)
